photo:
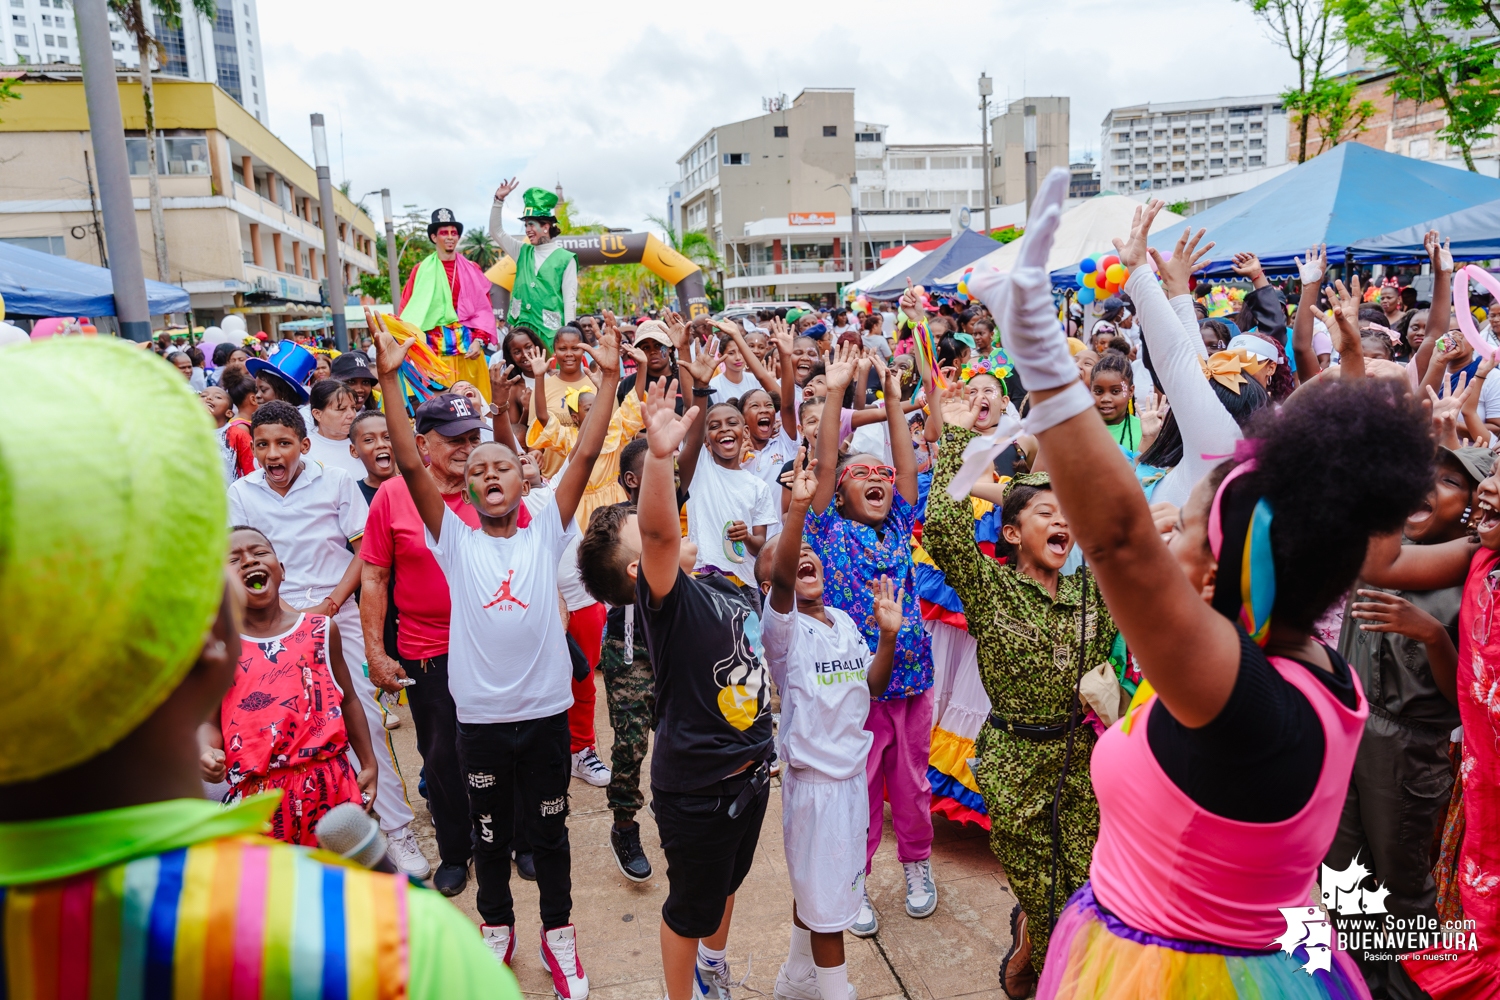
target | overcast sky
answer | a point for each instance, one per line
(441, 99)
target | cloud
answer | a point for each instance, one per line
(440, 101)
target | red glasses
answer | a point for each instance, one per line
(864, 470)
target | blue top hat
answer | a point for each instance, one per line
(290, 362)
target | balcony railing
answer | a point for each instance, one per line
(763, 269)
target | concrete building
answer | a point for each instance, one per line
(224, 50)
(243, 219)
(1083, 179)
(775, 193)
(1152, 146)
(1049, 126)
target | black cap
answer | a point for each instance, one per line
(440, 218)
(448, 414)
(352, 364)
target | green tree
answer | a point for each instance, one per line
(1428, 48)
(1308, 30)
(478, 247)
(132, 15)
(10, 90)
(695, 244)
(1335, 114)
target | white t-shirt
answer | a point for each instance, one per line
(308, 527)
(872, 439)
(725, 390)
(507, 655)
(766, 462)
(820, 671)
(719, 496)
(1489, 398)
(334, 454)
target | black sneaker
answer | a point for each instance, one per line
(628, 853)
(526, 866)
(450, 879)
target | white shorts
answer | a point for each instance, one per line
(823, 826)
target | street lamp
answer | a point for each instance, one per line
(332, 259)
(986, 88)
(390, 242)
(852, 189)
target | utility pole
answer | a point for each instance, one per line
(1028, 121)
(986, 88)
(390, 247)
(854, 223)
(332, 259)
(88, 172)
(107, 133)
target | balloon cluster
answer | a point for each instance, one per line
(963, 284)
(860, 305)
(1100, 276)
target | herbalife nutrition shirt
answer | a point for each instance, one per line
(825, 697)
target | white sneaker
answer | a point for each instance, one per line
(560, 956)
(404, 853)
(921, 891)
(866, 923)
(392, 720)
(588, 766)
(801, 989)
(501, 941)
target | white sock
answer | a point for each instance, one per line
(710, 959)
(799, 960)
(834, 983)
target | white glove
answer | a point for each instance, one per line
(1021, 302)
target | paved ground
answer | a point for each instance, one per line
(953, 953)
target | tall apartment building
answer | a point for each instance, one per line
(1151, 146)
(223, 50)
(912, 176)
(1048, 121)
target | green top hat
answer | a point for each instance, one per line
(539, 203)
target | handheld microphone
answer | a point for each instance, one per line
(353, 834)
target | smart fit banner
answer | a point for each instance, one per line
(594, 249)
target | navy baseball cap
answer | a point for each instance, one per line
(449, 414)
(352, 365)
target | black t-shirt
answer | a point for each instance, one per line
(712, 700)
(1258, 761)
(369, 491)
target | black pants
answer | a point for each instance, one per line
(500, 758)
(436, 718)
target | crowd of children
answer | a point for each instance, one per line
(848, 554)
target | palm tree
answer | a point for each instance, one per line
(478, 247)
(133, 16)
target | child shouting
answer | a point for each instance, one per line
(291, 714)
(821, 664)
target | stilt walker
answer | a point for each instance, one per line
(545, 295)
(447, 296)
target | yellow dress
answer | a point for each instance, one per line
(557, 390)
(556, 441)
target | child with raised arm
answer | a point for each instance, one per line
(860, 525)
(826, 675)
(508, 664)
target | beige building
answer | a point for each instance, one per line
(243, 219)
(1009, 138)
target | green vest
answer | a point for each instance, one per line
(536, 297)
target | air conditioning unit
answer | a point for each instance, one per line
(266, 283)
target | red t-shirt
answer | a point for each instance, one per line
(237, 436)
(396, 538)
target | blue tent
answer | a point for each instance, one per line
(965, 248)
(41, 284)
(1352, 192)
(1474, 232)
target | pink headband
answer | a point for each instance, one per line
(1215, 526)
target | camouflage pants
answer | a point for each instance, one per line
(628, 684)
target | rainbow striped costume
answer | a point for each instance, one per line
(235, 916)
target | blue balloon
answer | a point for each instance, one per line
(1087, 265)
(1085, 295)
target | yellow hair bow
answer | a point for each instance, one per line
(1228, 368)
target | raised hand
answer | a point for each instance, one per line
(606, 353)
(536, 360)
(1247, 265)
(958, 409)
(1312, 270)
(1439, 250)
(678, 331)
(1177, 273)
(887, 605)
(840, 368)
(781, 338)
(504, 190)
(804, 480)
(1152, 417)
(703, 362)
(610, 323)
(1345, 312)
(664, 428)
(636, 354)
(1132, 249)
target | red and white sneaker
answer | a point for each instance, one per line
(501, 940)
(560, 955)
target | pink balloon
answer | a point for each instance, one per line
(1461, 280)
(44, 328)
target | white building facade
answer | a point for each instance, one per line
(224, 50)
(1153, 146)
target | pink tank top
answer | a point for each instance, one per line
(1165, 865)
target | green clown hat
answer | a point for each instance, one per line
(539, 203)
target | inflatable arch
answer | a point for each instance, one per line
(594, 249)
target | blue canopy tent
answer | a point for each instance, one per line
(41, 284)
(1474, 232)
(965, 248)
(1352, 192)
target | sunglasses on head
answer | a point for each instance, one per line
(863, 470)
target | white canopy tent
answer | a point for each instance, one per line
(907, 256)
(1083, 231)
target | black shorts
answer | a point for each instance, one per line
(708, 854)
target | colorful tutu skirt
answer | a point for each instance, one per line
(1095, 955)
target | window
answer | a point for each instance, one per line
(62, 41)
(908, 163)
(47, 20)
(830, 131)
(1216, 162)
(1120, 154)
(181, 155)
(1217, 130)
(872, 199)
(997, 161)
(1256, 143)
(1140, 135)
(1255, 161)
(18, 3)
(1420, 148)
(1159, 149)
(47, 41)
(22, 42)
(18, 19)
(117, 46)
(54, 245)
(949, 162)
(1256, 126)
(778, 131)
(867, 137)
(1160, 133)
(868, 163)
(1235, 161)
(1198, 130)
(730, 159)
(1216, 145)
(1122, 137)
(227, 55)
(1178, 132)
(173, 47)
(1235, 143)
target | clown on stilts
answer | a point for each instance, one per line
(447, 297)
(545, 294)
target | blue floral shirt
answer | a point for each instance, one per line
(854, 554)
